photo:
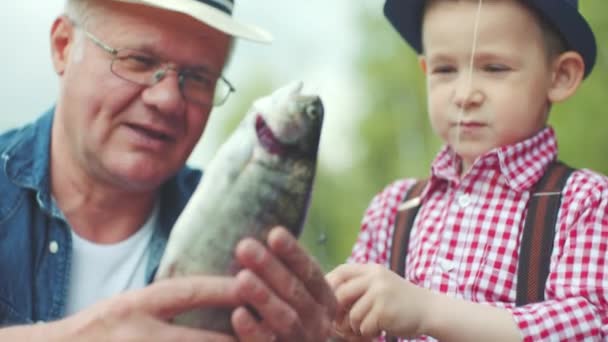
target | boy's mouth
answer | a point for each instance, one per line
(469, 124)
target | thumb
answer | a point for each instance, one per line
(169, 297)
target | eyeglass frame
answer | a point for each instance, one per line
(164, 66)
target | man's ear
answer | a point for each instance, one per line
(422, 62)
(62, 39)
(567, 74)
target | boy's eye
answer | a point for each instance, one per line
(496, 68)
(443, 69)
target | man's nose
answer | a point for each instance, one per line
(165, 92)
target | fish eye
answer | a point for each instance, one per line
(314, 109)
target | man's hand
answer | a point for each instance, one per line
(286, 287)
(139, 315)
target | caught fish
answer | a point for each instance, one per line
(260, 178)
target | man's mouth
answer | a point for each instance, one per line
(267, 138)
(151, 133)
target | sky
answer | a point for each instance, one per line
(313, 43)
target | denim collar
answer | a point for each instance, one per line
(26, 160)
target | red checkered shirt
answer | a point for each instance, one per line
(465, 240)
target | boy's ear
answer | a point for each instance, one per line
(567, 74)
(422, 62)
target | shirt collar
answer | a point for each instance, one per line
(521, 164)
(26, 159)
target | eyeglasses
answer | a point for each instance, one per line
(199, 86)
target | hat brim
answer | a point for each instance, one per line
(406, 18)
(572, 26)
(210, 16)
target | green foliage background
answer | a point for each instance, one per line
(394, 138)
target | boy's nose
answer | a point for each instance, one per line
(468, 96)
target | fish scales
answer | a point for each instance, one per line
(261, 177)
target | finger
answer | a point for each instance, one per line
(338, 276)
(257, 258)
(275, 313)
(346, 272)
(179, 333)
(170, 297)
(359, 312)
(248, 329)
(142, 327)
(342, 328)
(286, 247)
(370, 325)
(283, 282)
(349, 292)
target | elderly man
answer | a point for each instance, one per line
(91, 189)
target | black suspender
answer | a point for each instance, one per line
(538, 235)
(403, 225)
(536, 242)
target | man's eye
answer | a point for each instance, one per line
(200, 78)
(140, 62)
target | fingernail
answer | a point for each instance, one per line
(257, 255)
(285, 243)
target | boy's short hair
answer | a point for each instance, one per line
(562, 25)
(555, 44)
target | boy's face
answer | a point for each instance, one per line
(503, 97)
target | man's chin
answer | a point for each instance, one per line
(139, 180)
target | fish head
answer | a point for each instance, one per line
(288, 122)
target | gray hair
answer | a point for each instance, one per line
(79, 10)
(82, 11)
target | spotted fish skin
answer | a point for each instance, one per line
(260, 178)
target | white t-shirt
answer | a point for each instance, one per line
(100, 271)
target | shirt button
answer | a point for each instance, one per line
(447, 265)
(53, 247)
(464, 200)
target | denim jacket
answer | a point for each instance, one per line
(35, 238)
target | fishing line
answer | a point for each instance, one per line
(468, 95)
(469, 83)
(321, 233)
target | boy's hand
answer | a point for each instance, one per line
(372, 299)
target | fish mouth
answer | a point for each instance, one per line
(267, 138)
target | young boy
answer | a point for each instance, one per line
(494, 69)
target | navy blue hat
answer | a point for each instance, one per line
(406, 17)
